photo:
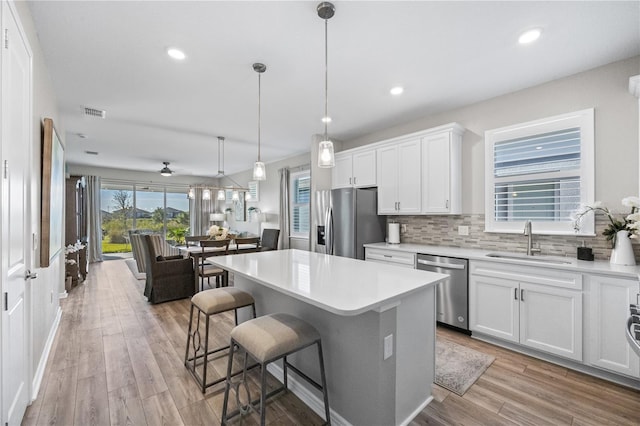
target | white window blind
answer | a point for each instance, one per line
(539, 171)
(300, 202)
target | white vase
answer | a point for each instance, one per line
(622, 253)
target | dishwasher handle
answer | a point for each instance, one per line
(441, 264)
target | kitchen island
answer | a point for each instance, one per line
(377, 324)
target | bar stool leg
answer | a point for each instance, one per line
(227, 386)
(286, 376)
(186, 353)
(263, 393)
(205, 355)
(325, 391)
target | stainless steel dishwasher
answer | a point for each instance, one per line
(452, 294)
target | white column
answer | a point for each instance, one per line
(634, 89)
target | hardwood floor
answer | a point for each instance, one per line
(118, 360)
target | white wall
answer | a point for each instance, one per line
(45, 289)
(616, 128)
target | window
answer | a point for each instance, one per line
(300, 193)
(540, 171)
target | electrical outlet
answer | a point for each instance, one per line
(403, 227)
(388, 346)
(463, 230)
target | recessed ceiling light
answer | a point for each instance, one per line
(529, 36)
(326, 119)
(176, 54)
(397, 90)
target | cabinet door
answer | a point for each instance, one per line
(342, 173)
(493, 307)
(364, 169)
(608, 302)
(436, 167)
(409, 177)
(551, 320)
(387, 177)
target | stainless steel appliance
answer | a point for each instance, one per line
(452, 300)
(346, 219)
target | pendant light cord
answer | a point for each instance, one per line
(259, 93)
(326, 78)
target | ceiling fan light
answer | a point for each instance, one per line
(166, 171)
(326, 157)
(206, 194)
(259, 171)
(221, 195)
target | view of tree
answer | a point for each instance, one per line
(122, 202)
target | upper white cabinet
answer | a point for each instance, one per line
(442, 171)
(607, 303)
(399, 177)
(354, 169)
(541, 309)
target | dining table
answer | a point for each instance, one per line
(197, 253)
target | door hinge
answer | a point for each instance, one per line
(6, 38)
(5, 169)
(6, 301)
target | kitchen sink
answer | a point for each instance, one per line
(538, 259)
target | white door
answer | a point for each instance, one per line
(551, 320)
(436, 166)
(409, 177)
(387, 177)
(494, 307)
(342, 173)
(364, 168)
(15, 229)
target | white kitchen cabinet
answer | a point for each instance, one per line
(607, 301)
(442, 171)
(354, 169)
(399, 177)
(541, 309)
(391, 257)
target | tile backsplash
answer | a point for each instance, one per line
(443, 231)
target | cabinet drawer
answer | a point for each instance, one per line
(407, 260)
(528, 274)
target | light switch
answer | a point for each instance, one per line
(463, 230)
(388, 346)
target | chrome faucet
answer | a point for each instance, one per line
(529, 235)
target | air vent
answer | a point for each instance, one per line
(93, 112)
(91, 152)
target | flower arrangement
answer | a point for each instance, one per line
(631, 223)
(72, 248)
(218, 232)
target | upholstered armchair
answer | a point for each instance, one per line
(168, 278)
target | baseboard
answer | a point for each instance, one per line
(37, 378)
(311, 400)
(417, 411)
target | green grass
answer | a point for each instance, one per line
(115, 248)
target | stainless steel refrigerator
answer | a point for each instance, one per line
(346, 219)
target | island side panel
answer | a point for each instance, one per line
(415, 351)
(362, 386)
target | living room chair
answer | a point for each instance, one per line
(269, 240)
(168, 277)
(206, 270)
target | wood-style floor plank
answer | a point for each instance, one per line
(117, 360)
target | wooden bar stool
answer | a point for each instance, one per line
(267, 339)
(212, 302)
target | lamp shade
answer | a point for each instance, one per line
(221, 194)
(206, 194)
(326, 157)
(259, 172)
(217, 217)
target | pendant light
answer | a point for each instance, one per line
(221, 193)
(259, 171)
(326, 158)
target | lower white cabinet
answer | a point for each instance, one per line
(607, 303)
(390, 257)
(527, 306)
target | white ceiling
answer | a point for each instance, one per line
(111, 56)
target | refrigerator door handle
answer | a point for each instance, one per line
(329, 231)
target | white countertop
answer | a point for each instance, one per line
(336, 284)
(593, 267)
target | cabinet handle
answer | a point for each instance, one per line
(515, 293)
(398, 205)
(349, 181)
(446, 204)
(522, 295)
(354, 180)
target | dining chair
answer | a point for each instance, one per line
(206, 270)
(249, 244)
(269, 240)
